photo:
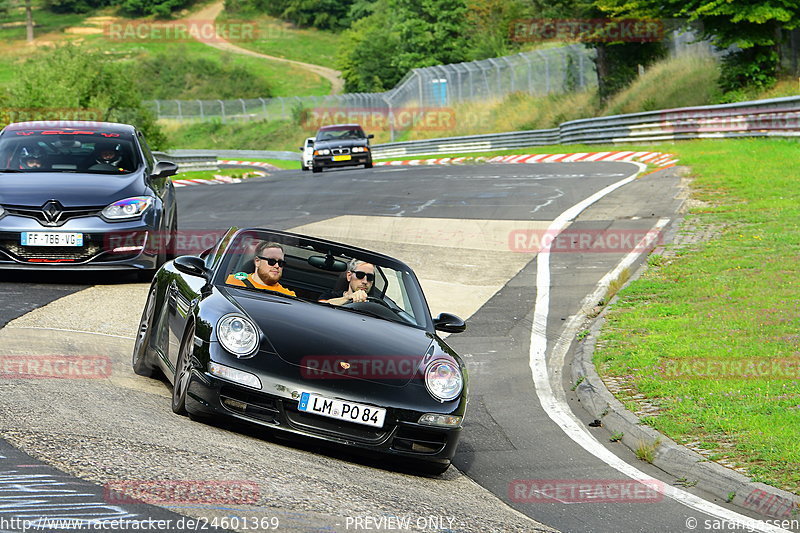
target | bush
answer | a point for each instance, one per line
(75, 6)
(159, 8)
(73, 80)
(178, 75)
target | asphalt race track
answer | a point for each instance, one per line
(468, 233)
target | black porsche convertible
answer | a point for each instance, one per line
(371, 374)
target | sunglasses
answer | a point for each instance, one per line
(360, 275)
(271, 261)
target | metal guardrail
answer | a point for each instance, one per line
(776, 117)
(204, 160)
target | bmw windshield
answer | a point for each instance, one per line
(92, 151)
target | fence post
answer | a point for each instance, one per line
(202, 117)
(180, 114)
(263, 106)
(546, 71)
(222, 107)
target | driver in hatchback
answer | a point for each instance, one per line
(360, 278)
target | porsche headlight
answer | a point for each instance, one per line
(443, 380)
(238, 335)
(128, 208)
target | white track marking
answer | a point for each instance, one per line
(560, 413)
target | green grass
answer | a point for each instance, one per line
(280, 39)
(735, 298)
(257, 135)
(211, 174)
(282, 78)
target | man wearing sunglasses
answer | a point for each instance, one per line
(269, 265)
(360, 278)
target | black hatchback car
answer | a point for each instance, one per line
(84, 195)
(341, 145)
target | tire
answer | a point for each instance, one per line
(304, 167)
(183, 372)
(368, 164)
(316, 169)
(141, 349)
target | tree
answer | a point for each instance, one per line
(72, 81)
(755, 29)
(401, 35)
(616, 62)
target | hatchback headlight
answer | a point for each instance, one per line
(128, 208)
(238, 335)
(2, 211)
(443, 380)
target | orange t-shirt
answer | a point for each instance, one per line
(233, 280)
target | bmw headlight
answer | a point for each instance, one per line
(322, 152)
(238, 335)
(358, 149)
(443, 380)
(128, 208)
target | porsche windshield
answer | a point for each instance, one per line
(95, 152)
(314, 271)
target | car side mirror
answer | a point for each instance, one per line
(449, 323)
(193, 266)
(164, 169)
(371, 136)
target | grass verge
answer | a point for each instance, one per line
(710, 332)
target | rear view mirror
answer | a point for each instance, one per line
(192, 265)
(449, 323)
(327, 262)
(164, 169)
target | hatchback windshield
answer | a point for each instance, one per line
(93, 151)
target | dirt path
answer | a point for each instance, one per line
(212, 11)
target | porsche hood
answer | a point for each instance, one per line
(329, 342)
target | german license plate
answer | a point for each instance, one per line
(358, 413)
(51, 238)
(341, 158)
